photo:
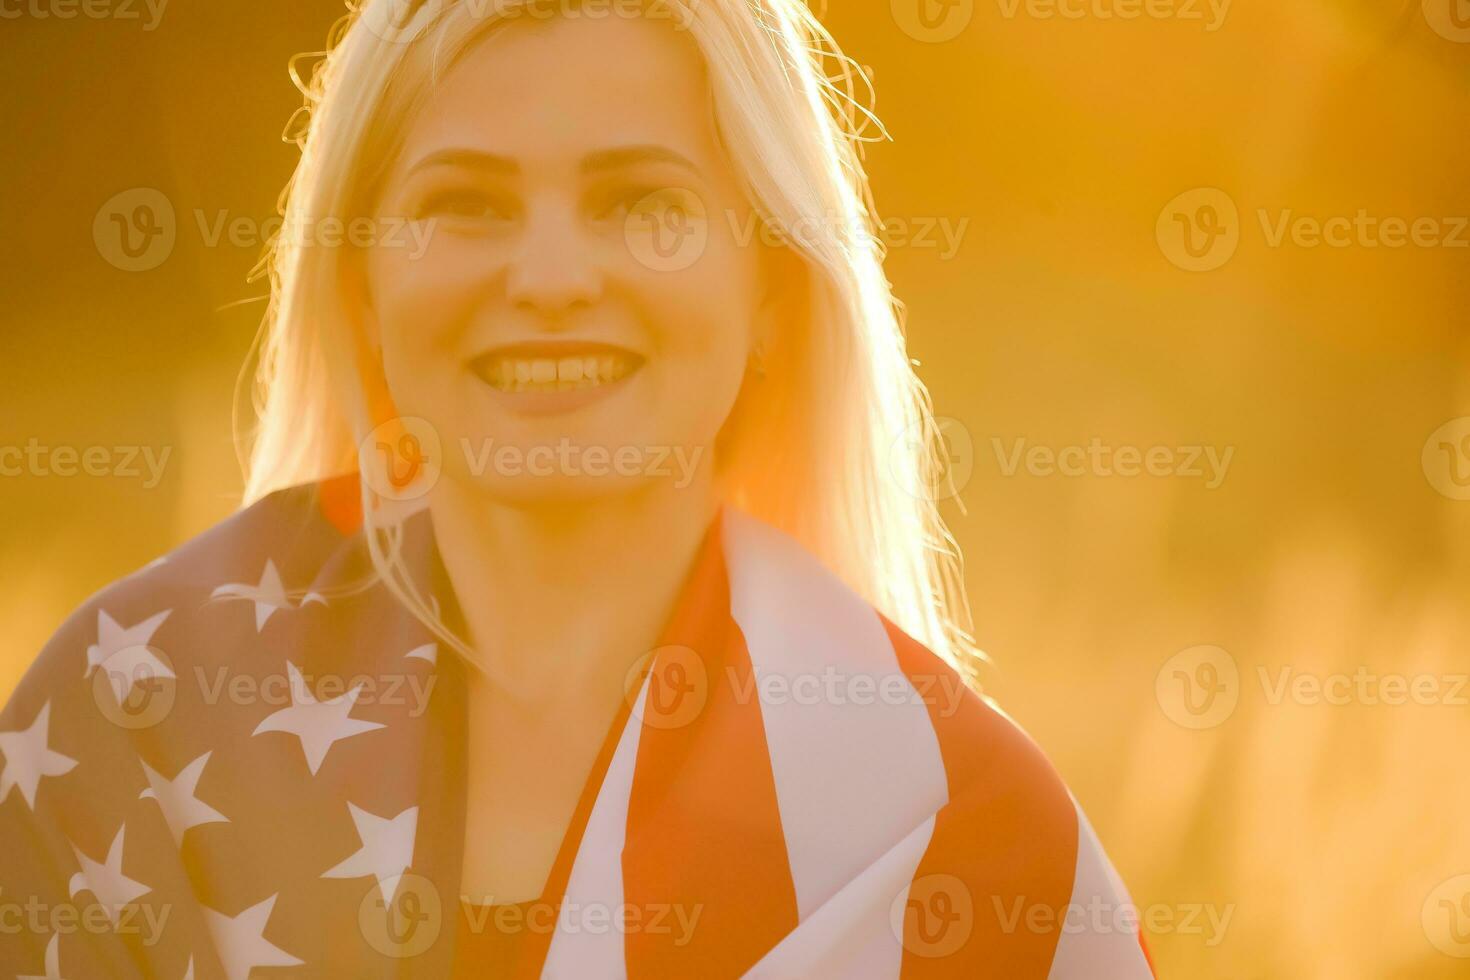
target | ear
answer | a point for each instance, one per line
(784, 278)
(357, 300)
(361, 313)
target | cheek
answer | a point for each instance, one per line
(706, 321)
(719, 292)
(420, 305)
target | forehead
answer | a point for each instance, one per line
(563, 85)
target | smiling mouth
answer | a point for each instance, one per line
(559, 366)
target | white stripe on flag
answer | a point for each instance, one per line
(584, 946)
(858, 934)
(855, 772)
(1105, 946)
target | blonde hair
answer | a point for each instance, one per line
(849, 457)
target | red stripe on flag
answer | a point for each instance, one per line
(1147, 956)
(340, 498)
(1003, 855)
(705, 850)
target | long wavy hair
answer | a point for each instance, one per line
(841, 449)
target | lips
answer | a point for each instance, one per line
(554, 366)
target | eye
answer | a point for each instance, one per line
(462, 203)
(617, 203)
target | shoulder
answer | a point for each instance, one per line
(1014, 842)
(992, 765)
(798, 617)
(288, 535)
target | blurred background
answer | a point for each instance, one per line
(1188, 282)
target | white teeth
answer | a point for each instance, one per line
(564, 374)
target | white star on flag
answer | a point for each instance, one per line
(269, 595)
(176, 797)
(241, 943)
(52, 964)
(132, 665)
(386, 852)
(106, 879)
(429, 652)
(113, 638)
(318, 724)
(28, 759)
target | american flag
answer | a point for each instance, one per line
(247, 759)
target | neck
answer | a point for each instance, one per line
(560, 600)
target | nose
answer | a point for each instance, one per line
(555, 269)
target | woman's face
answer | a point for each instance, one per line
(582, 316)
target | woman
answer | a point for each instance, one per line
(588, 616)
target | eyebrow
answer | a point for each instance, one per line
(632, 155)
(603, 160)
